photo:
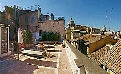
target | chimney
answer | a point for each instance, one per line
(14, 6)
(47, 17)
(17, 7)
(39, 12)
(52, 16)
(14, 12)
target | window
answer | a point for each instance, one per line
(26, 19)
(4, 40)
(40, 32)
(32, 19)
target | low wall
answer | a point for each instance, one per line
(5, 54)
(78, 61)
(71, 57)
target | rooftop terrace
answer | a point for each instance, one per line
(56, 63)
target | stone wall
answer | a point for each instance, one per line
(81, 62)
(71, 57)
(25, 20)
(53, 26)
(47, 25)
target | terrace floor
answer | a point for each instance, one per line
(56, 63)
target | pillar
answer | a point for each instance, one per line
(0, 40)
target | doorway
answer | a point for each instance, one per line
(4, 40)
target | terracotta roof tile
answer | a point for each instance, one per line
(109, 57)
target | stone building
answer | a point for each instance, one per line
(51, 25)
(104, 29)
(28, 20)
(74, 31)
(36, 22)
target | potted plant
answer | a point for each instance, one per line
(27, 35)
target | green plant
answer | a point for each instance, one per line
(27, 35)
(50, 36)
(44, 36)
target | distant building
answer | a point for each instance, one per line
(107, 54)
(104, 29)
(74, 31)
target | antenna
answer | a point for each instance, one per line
(31, 7)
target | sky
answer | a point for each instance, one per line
(92, 13)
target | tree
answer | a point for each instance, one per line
(27, 35)
(56, 36)
(44, 36)
(30, 37)
(12, 15)
(59, 36)
(9, 15)
(50, 36)
(10, 10)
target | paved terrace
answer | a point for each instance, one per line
(56, 63)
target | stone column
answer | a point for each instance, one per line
(0, 40)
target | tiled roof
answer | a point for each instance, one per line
(111, 58)
(92, 38)
(99, 54)
(89, 64)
